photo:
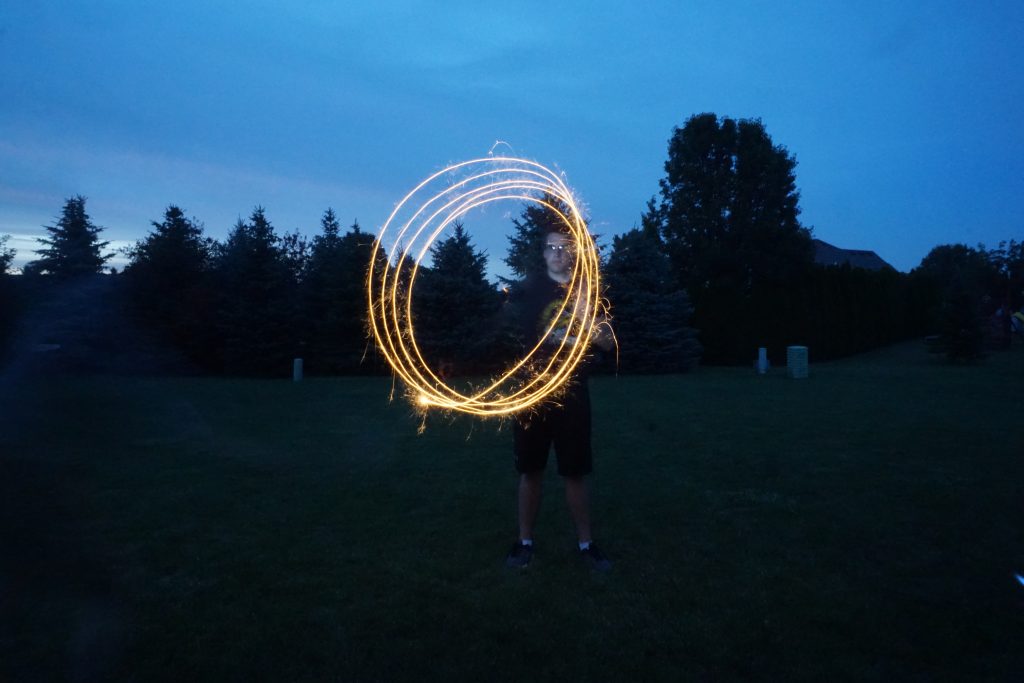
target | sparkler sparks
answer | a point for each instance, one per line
(389, 287)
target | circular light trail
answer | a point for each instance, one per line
(418, 219)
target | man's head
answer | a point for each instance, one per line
(559, 255)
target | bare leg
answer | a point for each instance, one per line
(578, 498)
(530, 488)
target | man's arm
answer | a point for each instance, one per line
(604, 335)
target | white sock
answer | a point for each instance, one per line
(584, 545)
(526, 541)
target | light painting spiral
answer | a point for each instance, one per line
(418, 219)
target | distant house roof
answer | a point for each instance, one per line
(827, 255)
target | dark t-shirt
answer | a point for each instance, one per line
(563, 421)
(534, 303)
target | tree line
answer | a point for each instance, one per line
(252, 303)
(719, 265)
(728, 215)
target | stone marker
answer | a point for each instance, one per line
(762, 360)
(796, 361)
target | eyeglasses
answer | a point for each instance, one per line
(558, 248)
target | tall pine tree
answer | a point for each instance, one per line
(73, 248)
(454, 307)
(651, 309)
(169, 278)
(335, 298)
(256, 302)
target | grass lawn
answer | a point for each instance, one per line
(865, 523)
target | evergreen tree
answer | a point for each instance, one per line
(170, 286)
(527, 242)
(256, 302)
(73, 248)
(6, 255)
(321, 291)
(335, 297)
(9, 301)
(454, 307)
(651, 309)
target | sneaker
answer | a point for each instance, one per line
(596, 560)
(519, 556)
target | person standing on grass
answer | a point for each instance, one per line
(563, 423)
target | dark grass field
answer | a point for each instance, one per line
(863, 524)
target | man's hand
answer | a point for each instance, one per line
(603, 337)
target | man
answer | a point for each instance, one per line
(563, 423)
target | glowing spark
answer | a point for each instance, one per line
(389, 288)
(495, 146)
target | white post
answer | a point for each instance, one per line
(297, 370)
(762, 360)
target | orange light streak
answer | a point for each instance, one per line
(389, 289)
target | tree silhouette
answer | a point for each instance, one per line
(256, 300)
(9, 301)
(728, 216)
(454, 306)
(6, 254)
(527, 241)
(335, 299)
(960, 279)
(651, 309)
(73, 248)
(169, 278)
(729, 206)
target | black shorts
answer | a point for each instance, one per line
(565, 423)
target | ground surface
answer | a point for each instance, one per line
(865, 523)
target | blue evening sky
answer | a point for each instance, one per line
(905, 118)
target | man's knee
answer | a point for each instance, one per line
(532, 478)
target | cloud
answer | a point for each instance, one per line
(27, 244)
(134, 187)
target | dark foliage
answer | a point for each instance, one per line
(729, 207)
(334, 299)
(527, 239)
(295, 250)
(9, 301)
(724, 237)
(6, 254)
(967, 287)
(1007, 261)
(170, 285)
(651, 310)
(256, 314)
(839, 311)
(728, 213)
(455, 306)
(73, 248)
(10, 310)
